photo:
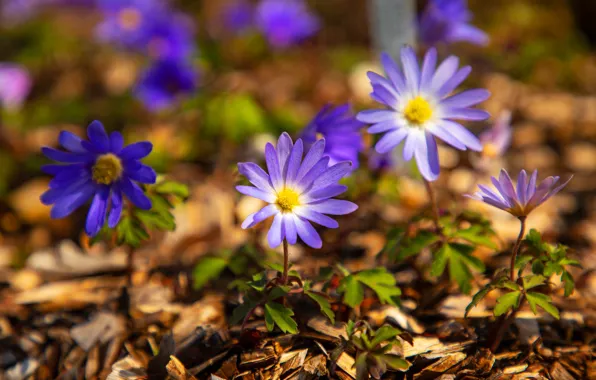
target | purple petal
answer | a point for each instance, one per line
(311, 159)
(383, 96)
(393, 72)
(60, 156)
(375, 116)
(332, 175)
(257, 193)
(98, 136)
(522, 185)
(306, 182)
(116, 142)
(276, 233)
(284, 147)
(259, 216)
(411, 69)
(307, 233)
(324, 193)
(506, 187)
(334, 207)
(444, 72)
(391, 140)
(96, 216)
(384, 126)
(410, 145)
(71, 142)
(314, 216)
(116, 210)
(294, 162)
(442, 131)
(135, 194)
(467, 32)
(450, 85)
(531, 185)
(273, 167)
(464, 136)
(70, 202)
(428, 69)
(136, 150)
(256, 176)
(427, 157)
(144, 174)
(465, 114)
(289, 227)
(466, 98)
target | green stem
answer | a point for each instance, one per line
(284, 277)
(433, 203)
(516, 247)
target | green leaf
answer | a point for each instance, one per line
(177, 189)
(384, 334)
(381, 282)
(131, 232)
(242, 310)
(478, 297)
(522, 260)
(361, 365)
(568, 283)
(394, 238)
(571, 262)
(537, 267)
(208, 269)
(353, 291)
(533, 281)
(281, 316)
(506, 302)
(534, 240)
(415, 245)
(395, 362)
(259, 281)
(543, 301)
(324, 304)
(460, 259)
(476, 235)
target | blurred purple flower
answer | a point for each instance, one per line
(238, 16)
(163, 82)
(518, 200)
(380, 161)
(299, 191)
(421, 107)
(341, 131)
(285, 22)
(497, 139)
(448, 21)
(15, 84)
(170, 35)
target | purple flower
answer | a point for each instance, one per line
(100, 168)
(15, 84)
(285, 22)
(421, 108)
(341, 131)
(130, 23)
(170, 36)
(163, 82)
(448, 21)
(378, 161)
(238, 16)
(496, 140)
(518, 200)
(298, 191)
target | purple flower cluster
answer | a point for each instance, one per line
(164, 35)
(283, 23)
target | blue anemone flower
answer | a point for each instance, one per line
(299, 191)
(341, 130)
(162, 83)
(101, 168)
(285, 22)
(448, 21)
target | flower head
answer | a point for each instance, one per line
(496, 140)
(298, 191)
(100, 168)
(341, 131)
(518, 200)
(238, 16)
(15, 84)
(421, 108)
(164, 81)
(448, 21)
(285, 22)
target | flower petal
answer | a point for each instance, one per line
(314, 216)
(393, 73)
(289, 226)
(332, 175)
(276, 233)
(116, 207)
(428, 69)
(466, 98)
(427, 157)
(256, 176)
(465, 113)
(136, 150)
(444, 72)
(96, 216)
(313, 156)
(293, 164)
(522, 185)
(71, 142)
(305, 183)
(284, 147)
(144, 174)
(451, 84)
(273, 167)
(257, 193)
(375, 116)
(391, 140)
(307, 233)
(135, 194)
(462, 134)
(70, 202)
(441, 130)
(60, 156)
(98, 136)
(411, 70)
(259, 216)
(334, 207)
(324, 193)
(116, 142)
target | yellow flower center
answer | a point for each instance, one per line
(418, 111)
(287, 199)
(490, 150)
(107, 169)
(129, 18)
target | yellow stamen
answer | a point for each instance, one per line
(129, 18)
(319, 136)
(107, 169)
(418, 111)
(490, 150)
(287, 199)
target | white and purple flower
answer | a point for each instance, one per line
(521, 199)
(497, 139)
(101, 168)
(299, 191)
(421, 108)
